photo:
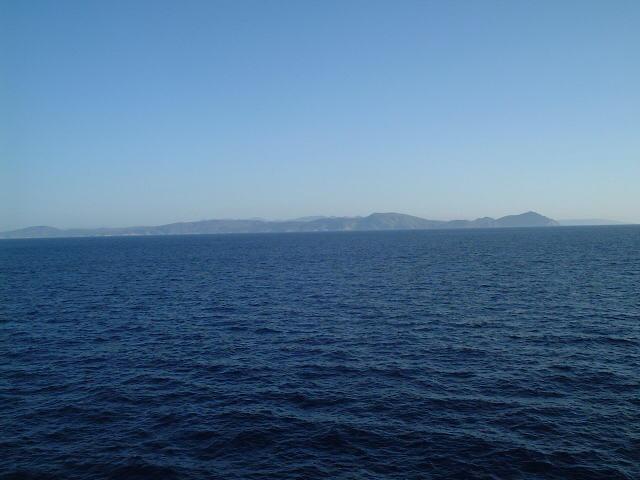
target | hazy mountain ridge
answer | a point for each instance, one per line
(373, 222)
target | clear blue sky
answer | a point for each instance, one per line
(120, 113)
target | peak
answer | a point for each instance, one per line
(527, 219)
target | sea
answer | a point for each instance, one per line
(453, 354)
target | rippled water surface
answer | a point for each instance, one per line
(491, 354)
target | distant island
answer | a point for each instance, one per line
(373, 222)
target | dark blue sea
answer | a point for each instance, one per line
(470, 354)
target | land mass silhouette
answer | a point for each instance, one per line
(373, 222)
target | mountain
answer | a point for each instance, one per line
(396, 221)
(308, 219)
(373, 222)
(34, 232)
(528, 219)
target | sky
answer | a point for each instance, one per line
(120, 113)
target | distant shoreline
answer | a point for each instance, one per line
(373, 223)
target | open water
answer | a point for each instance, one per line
(471, 354)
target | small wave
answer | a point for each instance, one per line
(142, 471)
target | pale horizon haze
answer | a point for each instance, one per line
(144, 113)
